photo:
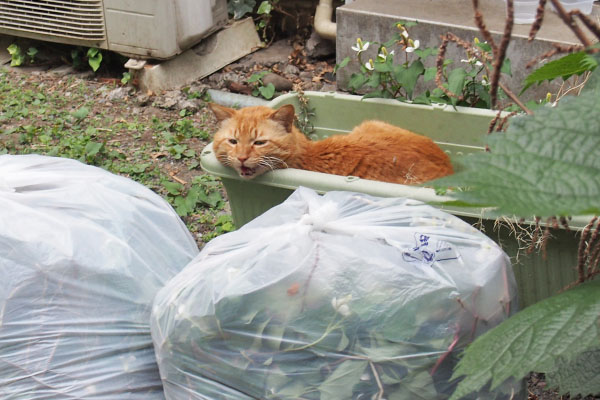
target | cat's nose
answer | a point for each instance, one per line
(242, 158)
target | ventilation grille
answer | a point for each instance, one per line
(73, 19)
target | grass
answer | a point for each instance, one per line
(71, 117)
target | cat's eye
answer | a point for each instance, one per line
(232, 141)
(259, 142)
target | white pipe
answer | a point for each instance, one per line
(228, 99)
(324, 26)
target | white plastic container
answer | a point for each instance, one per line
(524, 11)
(585, 6)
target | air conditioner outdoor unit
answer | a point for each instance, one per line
(140, 29)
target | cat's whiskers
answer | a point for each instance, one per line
(272, 162)
(225, 159)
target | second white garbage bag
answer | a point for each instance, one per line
(341, 296)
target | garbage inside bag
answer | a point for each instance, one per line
(82, 254)
(343, 296)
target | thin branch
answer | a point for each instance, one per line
(500, 54)
(589, 23)
(514, 98)
(481, 25)
(581, 252)
(570, 22)
(379, 385)
(539, 18)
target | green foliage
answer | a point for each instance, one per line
(578, 375)
(564, 67)
(52, 122)
(126, 78)
(94, 57)
(17, 56)
(203, 191)
(259, 88)
(546, 164)
(539, 338)
(239, 8)
(400, 65)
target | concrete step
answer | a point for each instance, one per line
(374, 21)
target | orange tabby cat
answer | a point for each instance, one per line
(254, 140)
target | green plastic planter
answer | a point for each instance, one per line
(458, 131)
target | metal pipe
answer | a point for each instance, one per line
(228, 99)
(324, 26)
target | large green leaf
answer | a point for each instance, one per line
(571, 64)
(562, 326)
(577, 376)
(545, 164)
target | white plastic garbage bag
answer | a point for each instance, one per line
(82, 254)
(335, 297)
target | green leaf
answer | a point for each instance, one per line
(546, 164)
(577, 376)
(429, 74)
(239, 8)
(344, 62)
(564, 67)
(426, 52)
(17, 58)
(13, 49)
(564, 325)
(93, 148)
(408, 77)
(81, 113)
(506, 67)
(257, 77)
(383, 67)
(378, 94)
(267, 91)
(357, 81)
(31, 52)
(456, 81)
(484, 46)
(264, 8)
(339, 385)
(374, 80)
(94, 58)
(173, 188)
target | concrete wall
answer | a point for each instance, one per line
(374, 21)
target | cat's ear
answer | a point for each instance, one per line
(222, 113)
(285, 116)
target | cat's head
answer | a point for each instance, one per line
(254, 140)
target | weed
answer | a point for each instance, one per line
(259, 87)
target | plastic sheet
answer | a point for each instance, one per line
(82, 254)
(341, 296)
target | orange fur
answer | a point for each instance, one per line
(254, 140)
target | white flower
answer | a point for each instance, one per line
(404, 33)
(369, 65)
(472, 61)
(341, 305)
(382, 57)
(360, 46)
(413, 45)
